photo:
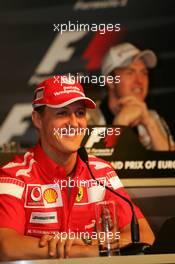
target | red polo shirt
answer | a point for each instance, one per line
(34, 195)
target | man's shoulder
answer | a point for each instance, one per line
(20, 166)
(103, 169)
(99, 163)
(93, 158)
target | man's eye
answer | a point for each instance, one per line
(81, 113)
(129, 72)
(145, 73)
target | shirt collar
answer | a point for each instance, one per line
(50, 167)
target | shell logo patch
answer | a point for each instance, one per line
(79, 194)
(50, 195)
(43, 196)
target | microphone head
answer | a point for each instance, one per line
(83, 154)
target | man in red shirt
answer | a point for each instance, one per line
(40, 193)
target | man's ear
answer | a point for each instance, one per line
(36, 118)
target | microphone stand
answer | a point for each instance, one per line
(135, 246)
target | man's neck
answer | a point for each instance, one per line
(66, 160)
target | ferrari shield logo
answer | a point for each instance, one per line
(79, 194)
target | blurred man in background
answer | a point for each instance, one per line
(125, 101)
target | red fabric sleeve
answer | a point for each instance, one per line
(12, 214)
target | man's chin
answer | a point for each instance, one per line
(71, 148)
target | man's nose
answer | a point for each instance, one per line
(73, 121)
(139, 78)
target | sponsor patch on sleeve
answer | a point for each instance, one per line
(11, 186)
(113, 180)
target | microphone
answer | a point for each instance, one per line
(135, 236)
